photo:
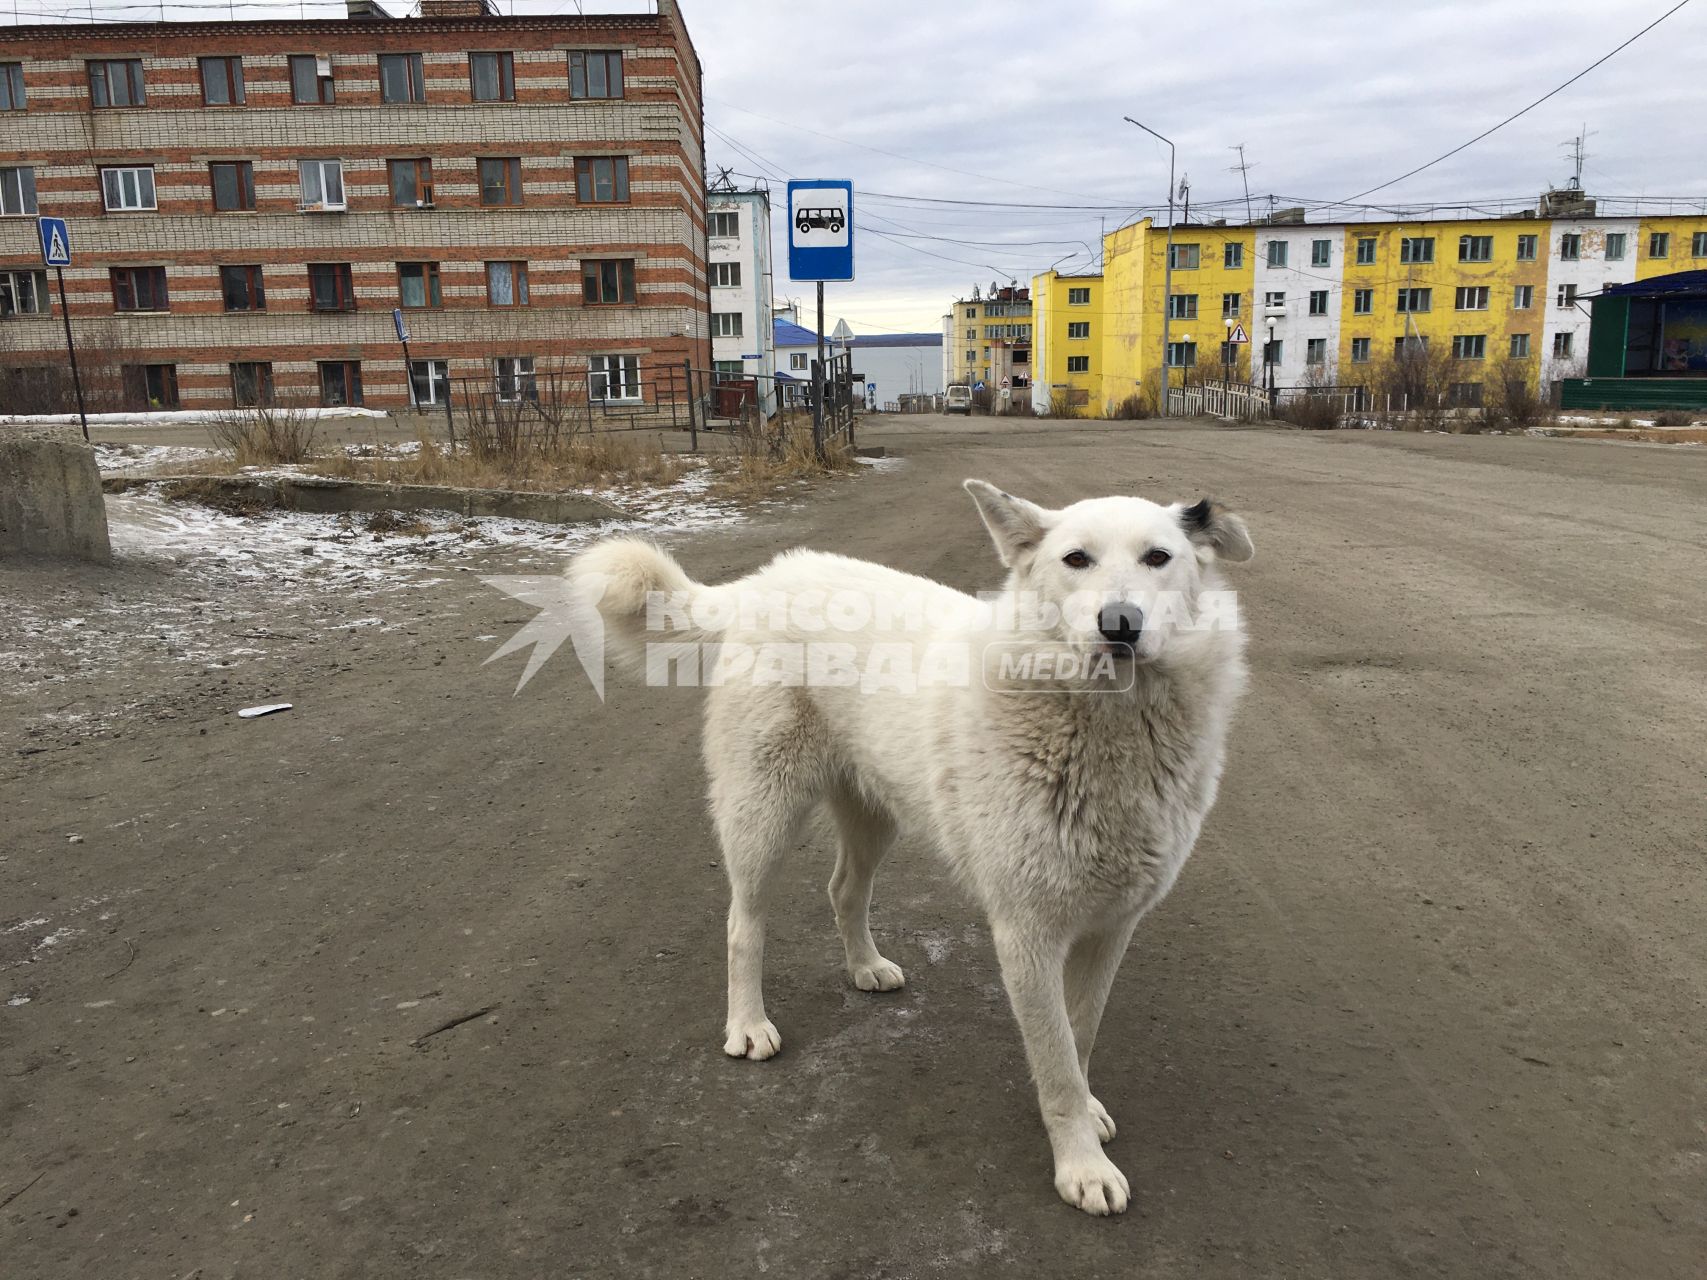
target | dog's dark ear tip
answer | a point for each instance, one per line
(1196, 516)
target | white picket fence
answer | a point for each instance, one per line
(1230, 401)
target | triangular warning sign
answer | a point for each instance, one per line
(1238, 334)
(56, 246)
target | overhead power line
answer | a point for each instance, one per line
(1524, 111)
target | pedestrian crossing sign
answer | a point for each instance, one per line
(55, 242)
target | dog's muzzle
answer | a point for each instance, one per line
(1121, 624)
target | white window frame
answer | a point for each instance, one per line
(1321, 253)
(1078, 364)
(1566, 297)
(726, 275)
(1522, 297)
(114, 184)
(438, 377)
(1315, 351)
(1662, 239)
(1471, 297)
(1570, 246)
(519, 377)
(1528, 241)
(624, 366)
(1520, 346)
(1076, 297)
(726, 324)
(1470, 248)
(1461, 346)
(1416, 249)
(1622, 241)
(34, 285)
(1231, 305)
(320, 168)
(800, 362)
(1698, 245)
(1233, 256)
(718, 218)
(1078, 329)
(18, 191)
(1562, 345)
(1274, 298)
(1318, 302)
(1182, 306)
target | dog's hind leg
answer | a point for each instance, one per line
(1091, 965)
(866, 832)
(1033, 969)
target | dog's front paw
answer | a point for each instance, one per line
(880, 975)
(757, 1040)
(1103, 1121)
(1093, 1184)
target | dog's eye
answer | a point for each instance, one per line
(1155, 557)
(1076, 560)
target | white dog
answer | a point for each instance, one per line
(1064, 793)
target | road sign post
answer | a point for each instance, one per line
(820, 248)
(56, 253)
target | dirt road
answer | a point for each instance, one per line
(1428, 1001)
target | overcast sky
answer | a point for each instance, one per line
(1021, 101)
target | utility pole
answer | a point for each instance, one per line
(1168, 269)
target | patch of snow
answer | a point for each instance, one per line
(171, 417)
(145, 459)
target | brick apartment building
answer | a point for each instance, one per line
(248, 201)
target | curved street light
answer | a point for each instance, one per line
(1168, 267)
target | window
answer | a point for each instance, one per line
(492, 77)
(726, 324)
(1184, 257)
(116, 83)
(972, 312)
(727, 225)
(1520, 346)
(150, 386)
(1321, 253)
(1075, 298)
(400, 78)
(727, 370)
(1277, 253)
(329, 287)
(1272, 351)
(241, 290)
(11, 86)
(1182, 355)
(601, 180)
(1469, 346)
(139, 288)
(1471, 298)
(605, 281)
(501, 181)
(1567, 296)
(1416, 249)
(418, 284)
(18, 191)
(1360, 350)
(1233, 255)
(1409, 347)
(507, 284)
(1615, 243)
(322, 183)
(233, 185)
(726, 275)
(1315, 351)
(1659, 244)
(614, 377)
(1078, 364)
(971, 334)
(1561, 346)
(251, 383)
(411, 183)
(1230, 304)
(1475, 248)
(1229, 353)
(797, 361)
(1365, 251)
(1570, 247)
(1522, 297)
(1318, 302)
(1078, 328)
(1465, 395)
(1526, 247)
(429, 382)
(222, 82)
(595, 75)
(340, 382)
(1182, 306)
(24, 293)
(1274, 299)
(310, 78)
(1415, 300)
(1698, 245)
(128, 190)
(514, 378)
(1362, 302)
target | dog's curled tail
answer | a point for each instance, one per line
(640, 592)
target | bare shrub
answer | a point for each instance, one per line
(1314, 411)
(1066, 402)
(1133, 406)
(1511, 399)
(1674, 418)
(274, 432)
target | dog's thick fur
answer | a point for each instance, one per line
(1067, 812)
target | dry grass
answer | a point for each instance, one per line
(595, 461)
(768, 461)
(233, 500)
(265, 435)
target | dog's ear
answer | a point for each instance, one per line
(1016, 526)
(1215, 527)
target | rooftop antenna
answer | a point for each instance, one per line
(1579, 153)
(1185, 197)
(1243, 169)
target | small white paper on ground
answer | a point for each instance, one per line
(249, 713)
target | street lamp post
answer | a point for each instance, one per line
(1227, 351)
(1168, 268)
(1268, 360)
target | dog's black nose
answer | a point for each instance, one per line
(1121, 623)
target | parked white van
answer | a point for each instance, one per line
(959, 400)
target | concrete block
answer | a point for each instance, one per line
(50, 495)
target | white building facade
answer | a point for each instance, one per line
(738, 232)
(1297, 284)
